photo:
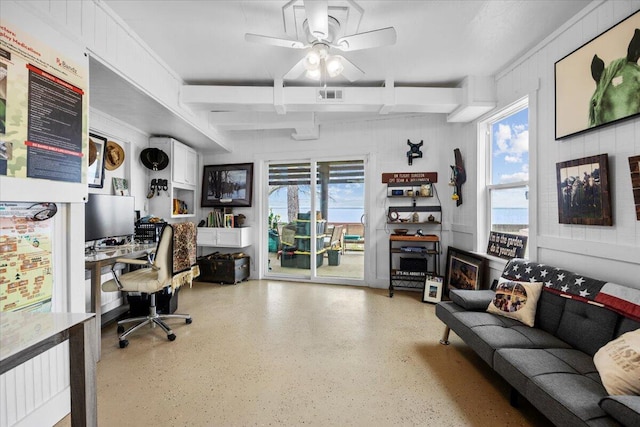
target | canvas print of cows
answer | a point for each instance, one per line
(227, 185)
(598, 83)
(583, 191)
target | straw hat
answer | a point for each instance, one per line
(114, 156)
(93, 152)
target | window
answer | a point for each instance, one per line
(506, 139)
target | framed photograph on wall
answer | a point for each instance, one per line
(97, 150)
(583, 191)
(597, 84)
(464, 270)
(432, 289)
(227, 185)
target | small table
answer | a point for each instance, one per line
(24, 335)
(96, 262)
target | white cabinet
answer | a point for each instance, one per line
(179, 199)
(185, 164)
(224, 237)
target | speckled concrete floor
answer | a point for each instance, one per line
(285, 353)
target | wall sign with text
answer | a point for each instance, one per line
(505, 245)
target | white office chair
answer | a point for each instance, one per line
(174, 265)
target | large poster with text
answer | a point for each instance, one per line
(43, 108)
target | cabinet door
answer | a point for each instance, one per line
(191, 167)
(179, 163)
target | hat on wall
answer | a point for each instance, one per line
(114, 156)
(154, 159)
(93, 152)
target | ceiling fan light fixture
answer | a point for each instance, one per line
(334, 66)
(312, 60)
(314, 74)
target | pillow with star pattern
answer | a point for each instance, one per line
(516, 300)
(618, 364)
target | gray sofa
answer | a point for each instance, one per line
(551, 364)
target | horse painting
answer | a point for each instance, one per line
(617, 93)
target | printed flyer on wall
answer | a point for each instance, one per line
(43, 108)
(26, 276)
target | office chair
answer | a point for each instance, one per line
(173, 265)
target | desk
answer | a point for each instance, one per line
(24, 335)
(95, 262)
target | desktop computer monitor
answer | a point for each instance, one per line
(107, 216)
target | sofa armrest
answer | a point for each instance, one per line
(624, 409)
(472, 300)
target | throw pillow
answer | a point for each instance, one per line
(618, 364)
(516, 300)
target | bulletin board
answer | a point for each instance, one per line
(43, 111)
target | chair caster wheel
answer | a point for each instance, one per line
(120, 329)
(172, 337)
(123, 343)
(188, 321)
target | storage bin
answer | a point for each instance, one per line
(304, 259)
(288, 259)
(149, 232)
(334, 257)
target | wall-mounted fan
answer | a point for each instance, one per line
(321, 28)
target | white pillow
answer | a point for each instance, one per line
(618, 364)
(516, 300)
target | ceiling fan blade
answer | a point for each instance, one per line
(317, 12)
(375, 38)
(295, 71)
(274, 41)
(351, 71)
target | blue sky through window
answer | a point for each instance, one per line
(510, 148)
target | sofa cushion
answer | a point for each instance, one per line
(471, 299)
(516, 300)
(618, 364)
(626, 325)
(586, 327)
(625, 409)
(549, 313)
(519, 365)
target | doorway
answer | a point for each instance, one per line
(316, 227)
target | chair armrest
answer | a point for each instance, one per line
(132, 261)
(625, 409)
(472, 300)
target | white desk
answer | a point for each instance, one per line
(95, 262)
(24, 335)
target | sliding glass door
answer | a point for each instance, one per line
(316, 226)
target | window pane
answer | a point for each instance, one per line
(510, 210)
(510, 148)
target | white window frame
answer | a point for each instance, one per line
(485, 186)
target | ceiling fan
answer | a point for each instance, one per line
(321, 28)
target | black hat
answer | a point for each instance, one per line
(154, 159)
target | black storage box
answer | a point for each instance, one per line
(166, 303)
(288, 259)
(413, 264)
(223, 270)
(149, 232)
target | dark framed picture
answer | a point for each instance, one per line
(227, 185)
(464, 270)
(432, 288)
(634, 168)
(597, 84)
(583, 191)
(97, 150)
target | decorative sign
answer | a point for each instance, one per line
(505, 245)
(634, 167)
(409, 177)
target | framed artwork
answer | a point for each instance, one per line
(432, 289)
(97, 149)
(120, 187)
(634, 167)
(583, 191)
(464, 270)
(227, 185)
(597, 84)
